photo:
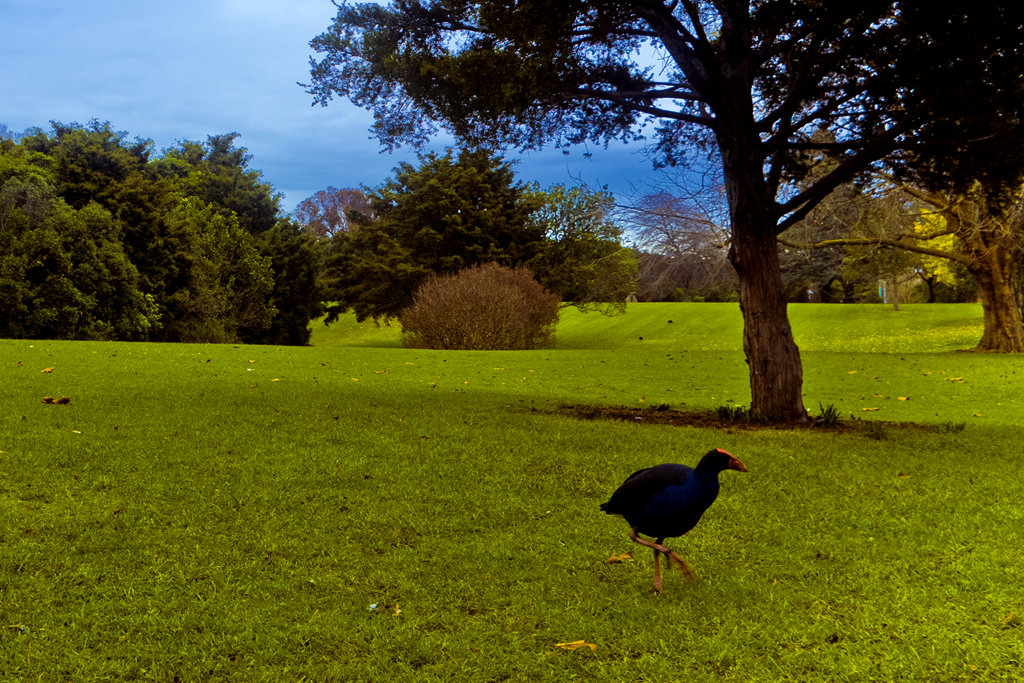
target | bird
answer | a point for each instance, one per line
(668, 500)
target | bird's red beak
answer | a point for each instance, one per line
(735, 464)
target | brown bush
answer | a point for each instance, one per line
(481, 307)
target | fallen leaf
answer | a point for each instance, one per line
(46, 370)
(956, 379)
(852, 372)
(902, 398)
(926, 373)
(398, 610)
(877, 395)
(618, 559)
(275, 380)
(577, 644)
(903, 475)
(870, 410)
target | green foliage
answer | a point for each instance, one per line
(445, 215)
(218, 173)
(228, 282)
(829, 416)
(105, 241)
(481, 307)
(296, 297)
(63, 272)
(582, 259)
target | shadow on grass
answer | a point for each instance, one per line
(736, 418)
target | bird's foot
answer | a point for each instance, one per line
(683, 566)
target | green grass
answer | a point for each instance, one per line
(218, 512)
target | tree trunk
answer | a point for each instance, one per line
(989, 250)
(1004, 332)
(776, 374)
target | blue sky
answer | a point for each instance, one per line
(182, 70)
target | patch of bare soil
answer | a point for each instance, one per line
(709, 419)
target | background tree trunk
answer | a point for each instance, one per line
(1004, 332)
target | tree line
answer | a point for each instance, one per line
(102, 238)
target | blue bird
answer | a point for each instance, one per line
(668, 500)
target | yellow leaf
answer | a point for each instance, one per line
(46, 370)
(275, 380)
(618, 559)
(902, 398)
(956, 379)
(577, 644)
(852, 372)
(870, 409)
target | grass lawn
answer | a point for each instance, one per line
(358, 511)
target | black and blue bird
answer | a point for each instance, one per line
(665, 501)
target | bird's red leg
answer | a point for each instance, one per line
(669, 553)
(635, 535)
(681, 563)
(657, 571)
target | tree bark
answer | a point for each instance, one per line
(776, 373)
(1004, 331)
(990, 249)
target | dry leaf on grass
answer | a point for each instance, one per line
(618, 559)
(577, 644)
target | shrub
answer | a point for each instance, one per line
(481, 307)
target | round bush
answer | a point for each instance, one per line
(481, 307)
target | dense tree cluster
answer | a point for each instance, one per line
(459, 210)
(100, 238)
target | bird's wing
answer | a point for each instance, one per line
(642, 485)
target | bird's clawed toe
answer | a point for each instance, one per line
(683, 566)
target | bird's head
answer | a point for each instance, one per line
(719, 460)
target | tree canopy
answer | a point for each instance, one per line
(449, 213)
(103, 239)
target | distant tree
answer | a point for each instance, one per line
(63, 271)
(330, 211)
(683, 249)
(436, 219)
(582, 258)
(295, 259)
(89, 161)
(218, 173)
(228, 282)
(752, 80)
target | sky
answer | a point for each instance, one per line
(183, 70)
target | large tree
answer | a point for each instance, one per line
(753, 80)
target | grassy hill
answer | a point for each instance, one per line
(358, 511)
